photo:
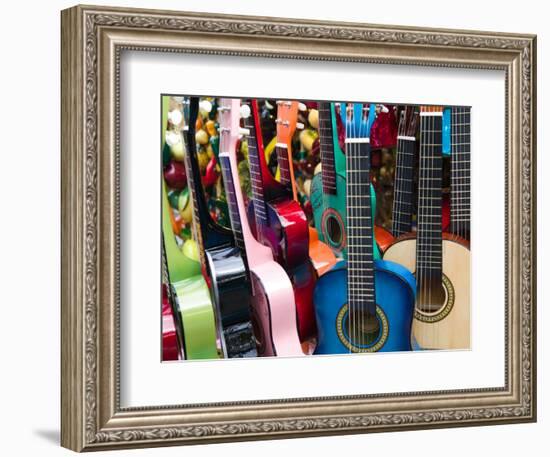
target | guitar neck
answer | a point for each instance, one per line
(283, 161)
(460, 171)
(326, 144)
(403, 190)
(231, 194)
(361, 289)
(256, 172)
(202, 220)
(429, 239)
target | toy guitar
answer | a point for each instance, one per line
(287, 116)
(441, 261)
(460, 171)
(172, 346)
(328, 188)
(402, 210)
(273, 306)
(280, 223)
(366, 306)
(224, 266)
(192, 294)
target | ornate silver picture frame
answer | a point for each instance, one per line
(93, 40)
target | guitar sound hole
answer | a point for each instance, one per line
(431, 298)
(363, 328)
(334, 230)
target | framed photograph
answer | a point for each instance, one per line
(281, 228)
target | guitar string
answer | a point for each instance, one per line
(421, 190)
(349, 196)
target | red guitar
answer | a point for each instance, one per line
(279, 222)
(171, 346)
(320, 253)
(273, 308)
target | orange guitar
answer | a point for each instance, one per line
(320, 254)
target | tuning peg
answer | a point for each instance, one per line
(300, 126)
(245, 111)
(205, 106)
(302, 107)
(384, 109)
(243, 131)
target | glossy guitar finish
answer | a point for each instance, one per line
(273, 305)
(192, 295)
(328, 188)
(321, 254)
(365, 305)
(170, 344)
(274, 217)
(281, 224)
(221, 258)
(395, 288)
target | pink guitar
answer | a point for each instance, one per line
(273, 304)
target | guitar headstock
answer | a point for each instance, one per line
(408, 122)
(229, 119)
(359, 120)
(287, 120)
(254, 120)
(190, 112)
(427, 110)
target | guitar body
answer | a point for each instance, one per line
(449, 327)
(329, 214)
(170, 344)
(383, 238)
(274, 312)
(272, 302)
(286, 231)
(223, 266)
(395, 291)
(285, 234)
(231, 294)
(192, 294)
(199, 326)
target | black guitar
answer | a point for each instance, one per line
(220, 256)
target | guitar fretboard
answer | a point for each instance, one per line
(327, 149)
(260, 211)
(232, 204)
(429, 240)
(403, 190)
(199, 205)
(284, 163)
(460, 171)
(361, 290)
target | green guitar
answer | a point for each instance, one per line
(328, 188)
(192, 293)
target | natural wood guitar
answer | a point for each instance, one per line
(441, 262)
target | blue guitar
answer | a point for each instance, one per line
(363, 305)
